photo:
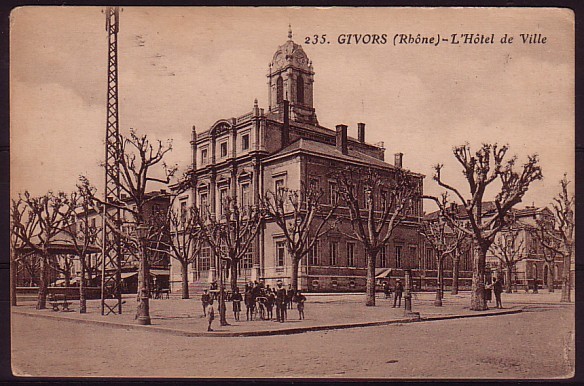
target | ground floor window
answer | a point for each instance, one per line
(205, 259)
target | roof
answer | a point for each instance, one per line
(322, 149)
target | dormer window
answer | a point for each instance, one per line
(300, 89)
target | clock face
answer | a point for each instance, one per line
(280, 59)
(301, 59)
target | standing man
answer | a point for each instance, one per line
(289, 296)
(280, 302)
(236, 298)
(399, 289)
(205, 297)
(210, 314)
(498, 289)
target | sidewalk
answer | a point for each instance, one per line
(323, 312)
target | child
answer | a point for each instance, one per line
(205, 301)
(236, 298)
(300, 299)
(210, 314)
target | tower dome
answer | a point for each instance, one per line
(291, 77)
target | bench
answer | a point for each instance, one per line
(58, 300)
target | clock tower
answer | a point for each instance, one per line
(291, 77)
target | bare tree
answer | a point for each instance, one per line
(22, 227)
(556, 234)
(230, 235)
(136, 157)
(509, 251)
(302, 216)
(378, 201)
(183, 237)
(45, 218)
(481, 169)
(84, 234)
(446, 241)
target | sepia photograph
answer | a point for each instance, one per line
(292, 192)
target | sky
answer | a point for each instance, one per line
(186, 66)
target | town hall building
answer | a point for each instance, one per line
(285, 146)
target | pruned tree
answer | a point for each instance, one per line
(137, 156)
(556, 234)
(43, 220)
(509, 250)
(183, 237)
(446, 241)
(22, 227)
(302, 217)
(378, 201)
(84, 234)
(230, 235)
(481, 169)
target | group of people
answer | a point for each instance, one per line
(398, 291)
(259, 299)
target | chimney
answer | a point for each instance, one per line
(361, 132)
(286, 127)
(341, 139)
(398, 160)
(194, 148)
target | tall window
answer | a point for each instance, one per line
(223, 149)
(398, 256)
(245, 142)
(313, 185)
(278, 184)
(366, 192)
(204, 156)
(333, 192)
(313, 254)
(279, 90)
(383, 200)
(429, 263)
(300, 89)
(280, 253)
(204, 204)
(351, 254)
(334, 250)
(247, 260)
(183, 211)
(205, 259)
(222, 201)
(382, 258)
(245, 201)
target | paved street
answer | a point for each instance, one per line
(535, 343)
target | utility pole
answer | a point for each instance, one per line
(111, 294)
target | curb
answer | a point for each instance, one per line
(287, 331)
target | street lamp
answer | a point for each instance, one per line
(143, 312)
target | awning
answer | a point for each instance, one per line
(159, 272)
(383, 273)
(126, 275)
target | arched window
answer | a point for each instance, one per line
(280, 90)
(300, 89)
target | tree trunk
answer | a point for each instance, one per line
(67, 275)
(550, 278)
(184, 274)
(508, 272)
(13, 278)
(370, 286)
(222, 308)
(294, 275)
(82, 297)
(478, 301)
(233, 274)
(143, 309)
(43, 284)
(455, 264)
(440, 279)
(566, 279)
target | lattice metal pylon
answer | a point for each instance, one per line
(111, 294)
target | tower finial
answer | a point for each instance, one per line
(290, 31)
